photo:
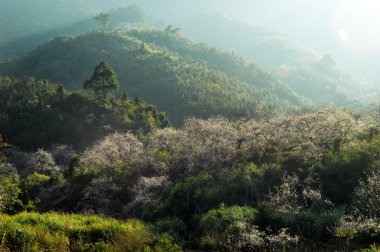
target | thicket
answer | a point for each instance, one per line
(36, 114)
(286, 182)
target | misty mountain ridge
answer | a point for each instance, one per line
(163, 69)
(304, 22)
(289, 61)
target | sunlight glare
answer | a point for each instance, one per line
(344, 35)
(361, 19)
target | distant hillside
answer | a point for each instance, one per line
(289, 61)
(217, 59)
(17, 42)
(322, 81)
(309, 74)
(265, 47)
(180, 77)
(22, 18)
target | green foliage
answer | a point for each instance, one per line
(221, 220)
(59, 232)
(174, 226)
(31, 187)
(340, 172)
(201, 184)
(184, 80)
(195, 195)
(9, 189)
(266, 178)
(309, 223)
(39, 114)
(103, 80)
(229, 63)
(223, 226)
(36, 181)
(373, 248)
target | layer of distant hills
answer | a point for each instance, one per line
(256, 72)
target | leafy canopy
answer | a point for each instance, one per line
(103, 80)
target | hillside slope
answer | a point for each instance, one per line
(290, 61)
(310, 74)
(180, 77)
(15, 42)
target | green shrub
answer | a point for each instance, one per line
(219, 220)
(194, 195)
(220, 228)
(174, 226)
(10, 189)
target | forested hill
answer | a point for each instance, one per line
(314, 75)
(118, 133)
(26, 34)
(306, 72)
(180, 77)
(23, 18)
(36, 114)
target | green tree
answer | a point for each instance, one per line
(104, 19)
(103, 80)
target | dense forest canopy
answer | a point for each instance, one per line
(180, 77)
(36, 114)
(196, 132)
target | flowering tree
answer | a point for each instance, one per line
(113, 151)
(41, 162)
(367, 196)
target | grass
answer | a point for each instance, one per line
(72, 232)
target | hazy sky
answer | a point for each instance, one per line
(358, 22)
(354, 24)
(347, 29)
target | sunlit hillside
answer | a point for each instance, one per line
(205, 125)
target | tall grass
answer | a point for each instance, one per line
(71, 232)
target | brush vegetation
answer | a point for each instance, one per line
(70, 232)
